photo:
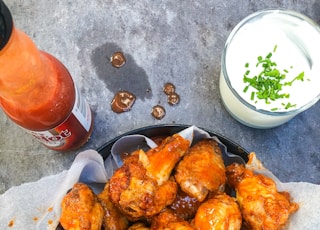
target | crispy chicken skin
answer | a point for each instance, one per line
(142, 186)
(262, 206)
(201, 170)
(113, 219)
(220, 213)
(168, 220)
(81, 210)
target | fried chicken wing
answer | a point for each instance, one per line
(160, 161)
(142, 187)
(168, 220)
(81, 210)
(220, 213)
(113, 219)
(262, 206)
(202, 170)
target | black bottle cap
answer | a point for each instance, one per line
(5, 24)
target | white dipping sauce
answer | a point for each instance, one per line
(297, 39)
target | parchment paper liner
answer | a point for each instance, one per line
(36, 205)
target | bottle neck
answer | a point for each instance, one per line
(22, 67)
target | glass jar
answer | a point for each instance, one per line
(292, 41)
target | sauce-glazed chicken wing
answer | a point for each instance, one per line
(168, 220)
(113, 219)
(81, 209)
(160, 161)
(262, 206)
(202, 170)
(220, 213)
(142, 187)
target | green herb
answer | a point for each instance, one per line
(269, 82)
(275, 48)
(300, 77)
(289, 105)
(252, 96)
(246, 89)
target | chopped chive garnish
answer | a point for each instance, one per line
(269, 83)
(252, 96)
(246, 88)
(300, 77)
(289, 105)
(275, 48)
(269, 55)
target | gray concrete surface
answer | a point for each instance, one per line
(176, 41)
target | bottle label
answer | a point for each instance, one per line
(65, 134)
(81, 111)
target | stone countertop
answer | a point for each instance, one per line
(163, 41)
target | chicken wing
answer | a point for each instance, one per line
(202, 170)
(262, 206)
(160, 161)
(142, 187)
(81, 210)
(220, 213)
(113, 218)
(168, 220)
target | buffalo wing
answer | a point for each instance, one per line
(142, 186)
(81, 209)
(220, 212)
(202, 170)
(261, 205)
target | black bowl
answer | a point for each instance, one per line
(168, 130)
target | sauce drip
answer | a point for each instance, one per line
(173, 99)
(169, 88)
(118, 60)
(122, 101)
(158, 112)
(11, 223)
(185, 206)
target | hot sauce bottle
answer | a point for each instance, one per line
(38, 93)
